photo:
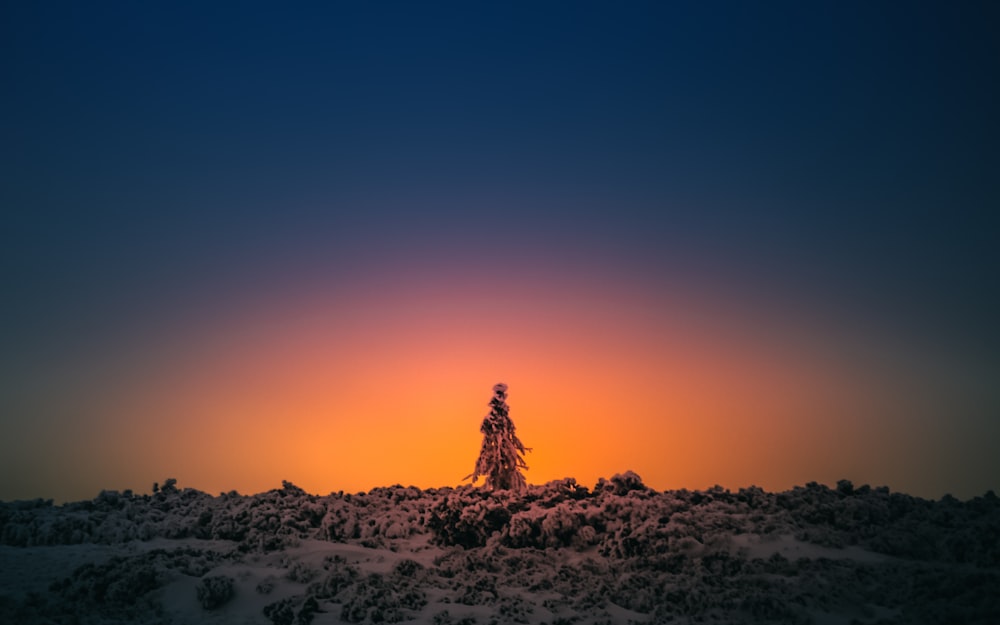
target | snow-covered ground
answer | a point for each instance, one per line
(560, 553)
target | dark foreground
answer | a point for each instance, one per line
(560, 553)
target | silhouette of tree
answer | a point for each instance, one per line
(502, 455)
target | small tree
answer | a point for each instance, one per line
(502, 455)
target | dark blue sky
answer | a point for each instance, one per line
(839, 157)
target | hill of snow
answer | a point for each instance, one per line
(560, 554)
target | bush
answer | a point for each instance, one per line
(468, 519)
(214, 591)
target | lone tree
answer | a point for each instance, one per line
(502, 455)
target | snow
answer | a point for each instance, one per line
(619, 553)
(763, 547)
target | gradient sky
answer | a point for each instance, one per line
(714, 243)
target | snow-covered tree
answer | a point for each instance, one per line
(502, 455)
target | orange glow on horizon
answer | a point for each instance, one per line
(390, 384)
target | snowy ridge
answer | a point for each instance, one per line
(558, 553)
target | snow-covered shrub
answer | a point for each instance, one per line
(281, 612)
(341, 523)
(374, 600)
(478, 590)
(627, 482)
(407, 568)
(560, 526)
(339, 576)
(214, 591)
(555, 492)
(302, 573)
(119, 590)
(513, 610)
(467, 518)
(523, 530)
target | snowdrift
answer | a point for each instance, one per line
(560, 553)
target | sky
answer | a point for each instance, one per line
(713, 243)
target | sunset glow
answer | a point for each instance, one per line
(387, 382)
(734, 247)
